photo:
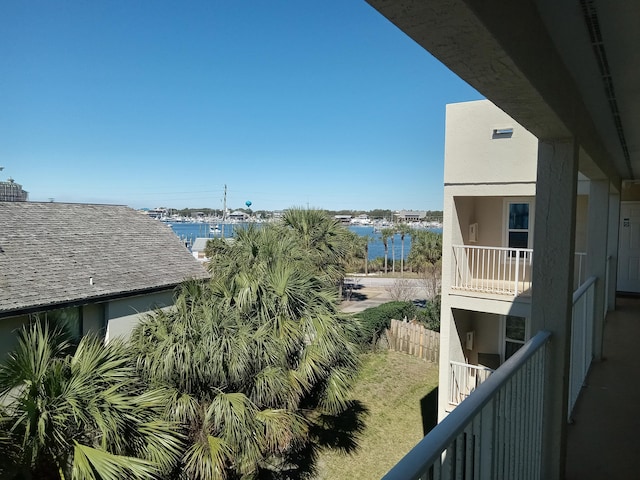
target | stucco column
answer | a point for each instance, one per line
(447, 325)
(597, 255)
(612, 248)
(552, 290)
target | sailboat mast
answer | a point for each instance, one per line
(221, 225)
(224, 203)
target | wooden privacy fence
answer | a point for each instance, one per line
(414, 339)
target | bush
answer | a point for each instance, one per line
(430, 315)
(374, 321)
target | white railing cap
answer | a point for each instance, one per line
(468, 365)
(502, 249)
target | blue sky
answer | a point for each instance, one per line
(288, 103)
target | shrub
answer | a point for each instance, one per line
(430, 315)
(374, 321)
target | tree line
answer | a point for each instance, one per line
(424, 257)
(375, 214)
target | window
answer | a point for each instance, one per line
(518, 229)
(515, 334)
(518, 223)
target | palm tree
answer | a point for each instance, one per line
(204, 355)
(403, 229)
(425, 256)
(80, 412)
(376, 265)
(365, 239)
(322, 237)
(358, 257)
(426, 249)
(385, 234)
(258, 359)
(393, 251)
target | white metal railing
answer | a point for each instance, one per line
(579, 269)
(581, 339)
(492, 269)
(494, 433)
(607, 280)
(465, 378)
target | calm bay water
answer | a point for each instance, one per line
(191, 231)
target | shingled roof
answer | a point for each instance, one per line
(61, 253)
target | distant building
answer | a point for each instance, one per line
(410, 215)
(157, 213)
(238, 216)
(10, 191)
(362, 219)
(344, 219)
(198, 249)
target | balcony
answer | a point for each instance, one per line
(492, 270)
(500, 270)
(465, 379)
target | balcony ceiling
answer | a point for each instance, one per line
(560, 68)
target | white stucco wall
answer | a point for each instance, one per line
(123, 315)
(487, 335)
(582, 218)
(490, 215)
(474, 155)
(111, 319)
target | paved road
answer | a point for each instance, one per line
(371, 292)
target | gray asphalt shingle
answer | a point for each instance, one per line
(49, 252)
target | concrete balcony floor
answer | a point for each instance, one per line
(604, 440)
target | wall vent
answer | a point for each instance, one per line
(506, 132)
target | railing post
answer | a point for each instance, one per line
(456, 266)
(581, 339)
(598, 211)
(487, 440)
(606, 287)
(580, 272)
(517, 279)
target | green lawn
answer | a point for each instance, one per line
(391, 385)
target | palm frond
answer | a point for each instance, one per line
(94, 464)
(207, 459)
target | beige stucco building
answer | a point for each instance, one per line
(488, 244)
